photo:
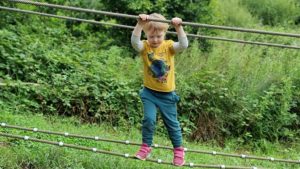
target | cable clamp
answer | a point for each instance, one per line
(159, 161)
(214, 153)
(3, 124)
(61, 143)
(66, 134)
(271, 159)
(94, 149)
(127, 142)
(35, 129)
(254, 167)
(191, 164)
(26, 137)
(156, 145)
(222, 166)
(243, 156)
(96, 138)
(126, 155)
(185, 149)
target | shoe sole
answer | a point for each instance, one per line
(139, 157)
(179, 164)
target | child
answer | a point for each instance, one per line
(159, 80)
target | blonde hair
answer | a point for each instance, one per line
(156, 26)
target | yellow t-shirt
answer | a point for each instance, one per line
(159, 70)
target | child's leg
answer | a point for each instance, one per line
(168, 110)
(149, 120)
(148, 124)
(170, 120)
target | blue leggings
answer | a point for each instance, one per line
(166, 102)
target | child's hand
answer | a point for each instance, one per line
(143, 19)
(176, 21)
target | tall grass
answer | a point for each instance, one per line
(274, 12)
(232, 13)
(251, 69)
(248, 91)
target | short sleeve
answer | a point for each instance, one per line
(170, 46)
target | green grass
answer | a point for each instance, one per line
(17, 154)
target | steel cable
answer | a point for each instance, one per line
(157, 20)
(96, 138)
(159, 161)
(131, 27)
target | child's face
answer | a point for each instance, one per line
(155, 38)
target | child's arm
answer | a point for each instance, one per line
(182, 38)
(136, 42)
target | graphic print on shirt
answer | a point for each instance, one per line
(158, 68)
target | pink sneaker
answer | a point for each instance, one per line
(178, 156)
(144, 152)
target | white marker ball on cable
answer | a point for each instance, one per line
(60, 143)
